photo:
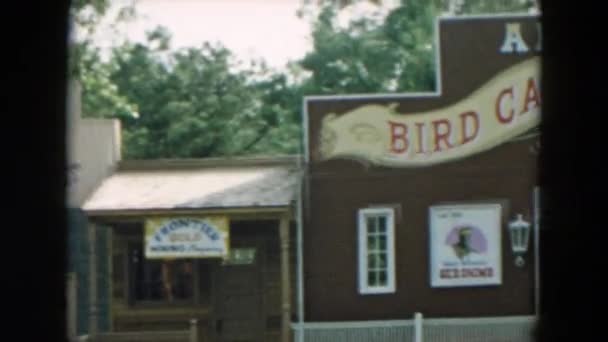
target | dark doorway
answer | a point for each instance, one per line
(238, 288)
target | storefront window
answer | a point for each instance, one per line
(376, 251)
(161, 280)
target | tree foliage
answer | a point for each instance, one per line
(201, 102)
(396, 55)
(100, 97)
(197, 102)
(87, 13)
(363, 58)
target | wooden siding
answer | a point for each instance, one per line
(133, 317)
(506, 175)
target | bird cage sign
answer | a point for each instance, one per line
(465, 245)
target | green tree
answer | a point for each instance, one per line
(201, 102)
(87, 13)
(364, 57)
(280, 102)
(100, 97)
(396, 55)
(194, 102)
(85, 20)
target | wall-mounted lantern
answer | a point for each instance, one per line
(520, 232)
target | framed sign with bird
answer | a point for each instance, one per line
(465, 245)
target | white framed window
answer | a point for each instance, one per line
(376, 230)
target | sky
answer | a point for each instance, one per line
(267, 29)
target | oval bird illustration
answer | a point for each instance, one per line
(462, 248)
(465, 241)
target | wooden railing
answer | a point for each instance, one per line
(190, 335)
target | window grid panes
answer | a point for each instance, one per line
(376, 251)
(376, 259)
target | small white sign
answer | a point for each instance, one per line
(465, 245)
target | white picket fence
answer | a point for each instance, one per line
(494, 329)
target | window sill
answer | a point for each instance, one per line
(166, 312)
(143, 305)
(373, 291)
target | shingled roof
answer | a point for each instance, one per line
(197, 184)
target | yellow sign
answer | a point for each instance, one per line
(187, 237)
(505, 107)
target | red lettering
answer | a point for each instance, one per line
(499, 115)
(442, 136)
(463, 119)
(398, 134)
(448, 273)
(532, 96)
(420, 143)
(476, 272)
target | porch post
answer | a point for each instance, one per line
(93, 306)
(193, 330)
(72, 305)
(285, 283)
(537, 210)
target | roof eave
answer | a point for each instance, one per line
(167, 164)
(138, 212)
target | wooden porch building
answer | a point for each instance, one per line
(246, 295)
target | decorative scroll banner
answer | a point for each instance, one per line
(505, 107)
(187, 237)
